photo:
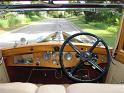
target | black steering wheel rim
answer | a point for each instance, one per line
(69, 75)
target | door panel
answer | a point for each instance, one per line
(116, 71)
(3, 73)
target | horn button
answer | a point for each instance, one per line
(86, 56)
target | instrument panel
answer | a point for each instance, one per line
(47, 59)
(43, 59)
(47, 55)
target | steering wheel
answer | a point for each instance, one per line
(85, 56)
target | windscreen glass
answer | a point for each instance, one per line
(24, 27)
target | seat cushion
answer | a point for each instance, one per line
(51, 89)
(17, 88)
(95, 88)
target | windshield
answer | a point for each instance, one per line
(30, 27)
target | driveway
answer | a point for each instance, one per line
(37, 31)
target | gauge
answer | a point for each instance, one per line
(68, 56)
(23, 41)
(46, 55)
(54, 54)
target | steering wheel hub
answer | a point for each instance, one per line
(85, 56)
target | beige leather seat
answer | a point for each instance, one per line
(74, 88)
(82, 88)
(51, 89)
(18, 88)
(95, 88)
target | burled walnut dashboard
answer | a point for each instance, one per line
(46, 55)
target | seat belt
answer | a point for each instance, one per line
(4, 78)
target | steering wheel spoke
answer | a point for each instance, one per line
(96, 65)
(75, 48)
(94, 45)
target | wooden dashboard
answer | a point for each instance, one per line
(30, 64)
(36, 54)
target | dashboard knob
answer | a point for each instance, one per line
(54, 61)
(37, 61)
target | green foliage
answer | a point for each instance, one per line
(23, 19)
(3, 23)
(98, 25)
(105, 16)
(56, 14)
(106, 31)
(112, 29)
(35, 18)
(11, 20)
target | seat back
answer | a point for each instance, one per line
(95, 88)
(18, 88)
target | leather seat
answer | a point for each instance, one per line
(95, 88)
(51, 89)
(74, 88)
(82, 88)
(18, 88)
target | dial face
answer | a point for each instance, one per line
(68, 56)
(46, 55)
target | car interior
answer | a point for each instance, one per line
(64, 66)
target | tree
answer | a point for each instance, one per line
(104, 15)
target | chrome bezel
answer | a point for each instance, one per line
(68, 55)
